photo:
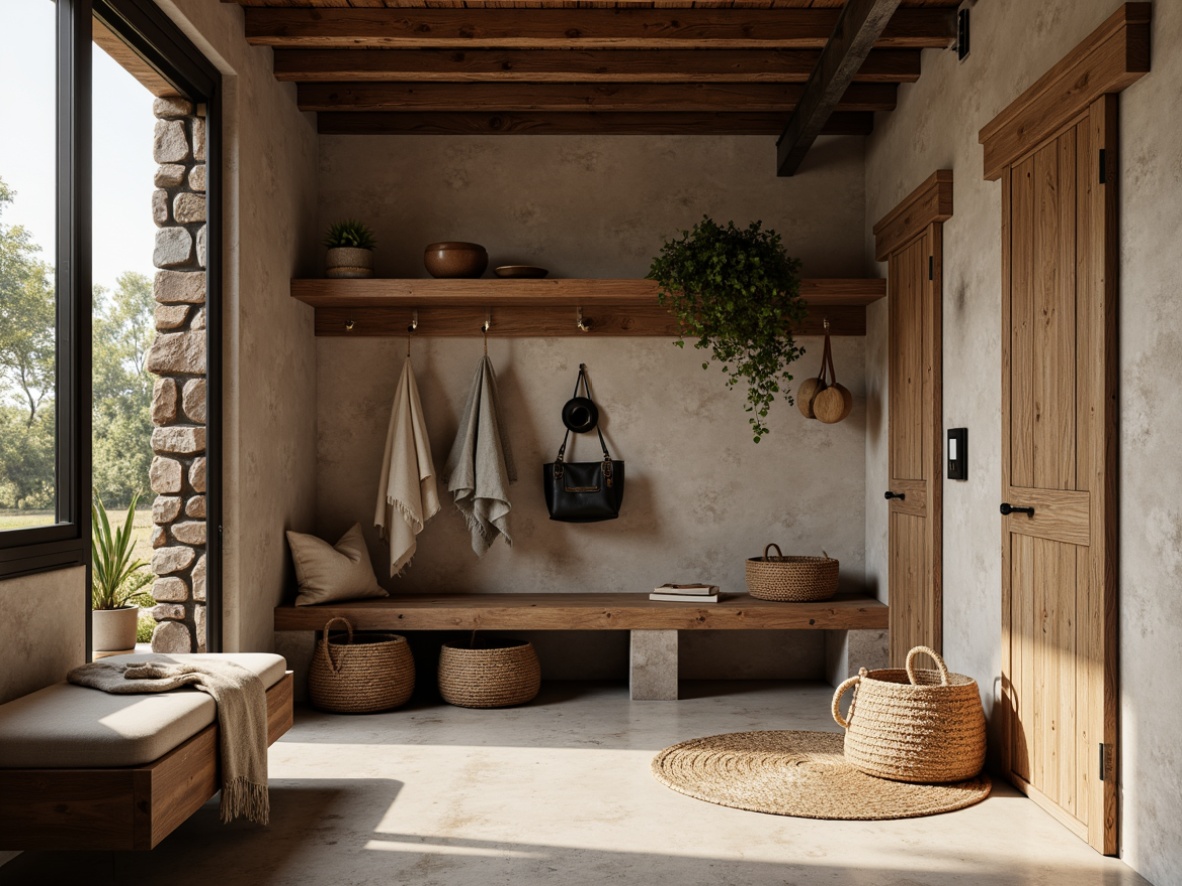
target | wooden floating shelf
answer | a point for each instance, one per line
(548, 307)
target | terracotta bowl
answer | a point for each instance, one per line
(455, 259)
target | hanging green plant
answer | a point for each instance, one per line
(737, 292)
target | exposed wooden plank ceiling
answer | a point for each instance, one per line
(590, 66)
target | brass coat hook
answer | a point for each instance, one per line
(349, 324)
(583, 324)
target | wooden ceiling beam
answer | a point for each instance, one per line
(576, 66)
(911, 28)
(593, 123)
(858, 28)
(641, 97)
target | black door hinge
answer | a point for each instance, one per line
(931, 267)
(1103, 167)
(1104, 761)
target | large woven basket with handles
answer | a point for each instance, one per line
(915, 725)
(791, 579)
(362, 674)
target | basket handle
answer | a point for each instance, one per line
(934, 656)
(779, 553)
(336, 669)
(841, 690)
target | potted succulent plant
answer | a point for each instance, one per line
(737, 292)
(350, 249)
(116, 584)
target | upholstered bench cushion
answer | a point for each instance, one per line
(70, 727)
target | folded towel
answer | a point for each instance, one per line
(480, 466)
(407, 497)
(242, 718)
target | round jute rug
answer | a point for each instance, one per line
(803, 774)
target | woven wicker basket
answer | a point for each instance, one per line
(791, 579)
(920, 726)
(503, 673)
(364, 674)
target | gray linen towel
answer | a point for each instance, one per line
(480, 466)
(242, 718)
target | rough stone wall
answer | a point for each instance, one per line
(178, 398)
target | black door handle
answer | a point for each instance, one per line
(888, 495)
(1007, 509)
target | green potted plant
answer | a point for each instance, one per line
(737, 292)
(350, 249)
(117, 582)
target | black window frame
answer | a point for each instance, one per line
(158, 41)
(67, 542)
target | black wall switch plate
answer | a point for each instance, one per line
(957, 453)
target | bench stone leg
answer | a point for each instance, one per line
(653, 671)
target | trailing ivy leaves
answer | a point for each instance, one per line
(737, 292)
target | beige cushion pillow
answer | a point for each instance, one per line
(333, 572)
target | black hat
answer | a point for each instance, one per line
(580, 415)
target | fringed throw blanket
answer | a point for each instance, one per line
(242, 718)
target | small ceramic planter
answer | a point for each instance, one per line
(113, 630)
(349, 261)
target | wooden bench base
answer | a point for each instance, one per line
(126, 808)
(654, 624)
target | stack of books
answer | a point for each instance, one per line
(691, 593)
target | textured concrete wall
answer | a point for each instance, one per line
(269, 168)
(701, 496)
(42, 630)
(936, 126)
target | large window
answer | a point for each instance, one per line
(44, 286)
(46, 297)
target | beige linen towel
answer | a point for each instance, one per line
(242, 718)
(480, 466)
(407, 497)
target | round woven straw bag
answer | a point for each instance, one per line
(363, 674)
(914, 725)
(791, 579)
(500, 674)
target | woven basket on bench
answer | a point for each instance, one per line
(920, 726)
(791, 579)
(503, 673)
(364, 674)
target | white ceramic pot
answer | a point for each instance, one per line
(113, 630)
(349, 261)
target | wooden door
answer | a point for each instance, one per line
(1058, 445)
(910, 239)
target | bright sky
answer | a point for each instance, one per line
(124, 234)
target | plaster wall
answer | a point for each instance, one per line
(936, 126)
(700, 495)
(39, 640)
(269, 168)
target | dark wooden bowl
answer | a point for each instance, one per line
(454, 259)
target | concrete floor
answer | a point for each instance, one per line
(559, 792)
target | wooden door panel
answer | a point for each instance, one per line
(907, 449)
(1059, 515)
(910, 624)
(1020, 367)
(915, 504)
(910, 239)
(1058, 390)
(1053, 295)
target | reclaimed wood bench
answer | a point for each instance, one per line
(83, 769)
(653, 624)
